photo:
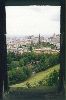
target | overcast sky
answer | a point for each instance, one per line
(32, 20)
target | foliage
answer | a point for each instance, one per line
(53, 78)
(45, 44)
(14, 64)
(28, 85)
(41, 79)
(21, 62)
(30, 48)
(18, 74)
(46, 61)
(28, 63)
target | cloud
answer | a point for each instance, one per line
(27, 20)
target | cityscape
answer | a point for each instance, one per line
(22, 44)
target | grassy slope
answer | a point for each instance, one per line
(37, 77)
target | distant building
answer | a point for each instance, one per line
(54, 39)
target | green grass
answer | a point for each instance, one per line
(37, 77)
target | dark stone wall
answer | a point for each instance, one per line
(3, 50)
(65, 41)
(31, 2)
(62, 46)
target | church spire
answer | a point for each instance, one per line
(39, 39)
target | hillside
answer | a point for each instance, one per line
(33, 80)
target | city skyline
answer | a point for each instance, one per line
(32, 20)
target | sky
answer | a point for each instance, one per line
(32, 20)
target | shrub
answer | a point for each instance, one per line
(18, 74)
(50, 80)
(14, 64)
(28, 85)
(53, 78)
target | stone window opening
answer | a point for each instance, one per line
(3, 49)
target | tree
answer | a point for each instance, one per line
(14, 64)
(18, 75)
(30, 48)
(21, 62)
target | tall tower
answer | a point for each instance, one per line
(39, 41)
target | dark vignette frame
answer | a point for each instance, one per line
(3, 49)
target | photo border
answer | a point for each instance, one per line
(3, 49)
